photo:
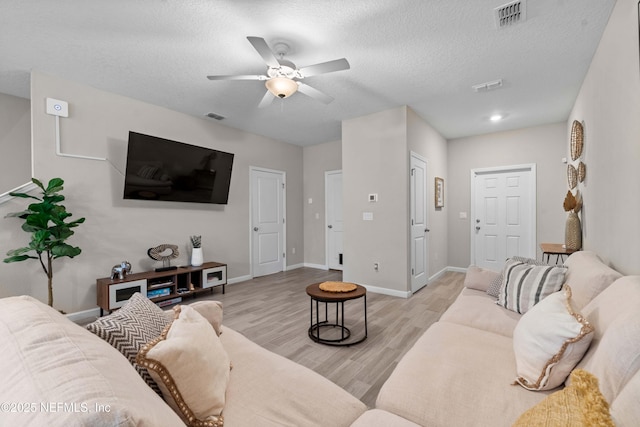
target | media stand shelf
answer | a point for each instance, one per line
(162, 287)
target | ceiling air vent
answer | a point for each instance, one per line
(215, 116)
(511, 13)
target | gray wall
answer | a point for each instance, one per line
(317, 159)
(375, 160)
(609, 107)
(15, 142)
(116, 229)
(543, 145)
(425, 141)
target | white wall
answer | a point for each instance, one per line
(116, 229)
(15, 142)
(608, 105)
(543, 145)
(425, 141)
(317, 159)
(375, 160)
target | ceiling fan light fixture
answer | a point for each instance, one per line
(281, 87)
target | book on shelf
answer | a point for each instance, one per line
(158, 292)
(169, 302)
(160, 284)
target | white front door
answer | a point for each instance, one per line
(419, 229)
(333, 201)
(267, 221)
(503, 217)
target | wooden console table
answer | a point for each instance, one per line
(556, 249)
(162, 287)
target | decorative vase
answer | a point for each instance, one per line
(196, 257)
(573, 232)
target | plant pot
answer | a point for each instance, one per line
(573, 232)
(196, 257)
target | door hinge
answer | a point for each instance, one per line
(413, 170)
(284, 255)
(411, 221)
(283, 185)
(412, 273)
(283, 220)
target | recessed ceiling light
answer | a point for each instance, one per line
(496, 117)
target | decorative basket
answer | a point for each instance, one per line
(337, 287)
(577, 140)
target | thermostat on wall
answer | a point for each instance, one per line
(56, 107)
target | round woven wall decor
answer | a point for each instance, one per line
(577, 140)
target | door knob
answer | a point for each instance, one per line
(255, 229)
(477, 228)
(330, 226)
(426, 230)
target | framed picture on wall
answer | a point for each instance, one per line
(439, 192)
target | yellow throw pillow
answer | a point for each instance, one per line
(578, 404)
(191, 367)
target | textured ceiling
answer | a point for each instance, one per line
(426, 54)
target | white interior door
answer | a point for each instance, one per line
(267, 221)
(419, 229)
(503, 215)
(333, 203)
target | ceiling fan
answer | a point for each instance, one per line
(283, 78)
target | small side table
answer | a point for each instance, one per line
(556, 249)
(317, 295)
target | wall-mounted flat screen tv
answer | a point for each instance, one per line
(161, 169)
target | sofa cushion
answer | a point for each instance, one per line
(549, 341)
(132, 326)
(456, 375)
(614, 356)
(579, 404)
(49, 360)
(479, 310)
(190, 366)
(496, 283)
(479, 278)
(380, 418)
(268, 390)
(587, 276)
(210, 310)
(524, 285)
(625, 410)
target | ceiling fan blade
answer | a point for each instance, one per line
(325, 67)
(314, 93)
(263, 49)
(266, 100)
(240, 77)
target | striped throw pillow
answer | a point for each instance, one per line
(524, 285)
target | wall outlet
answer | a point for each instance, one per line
(293, 250)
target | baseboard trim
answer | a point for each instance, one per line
(239, 279)
(294, 266)
(316, 266)
(457, 269)
(385, 291)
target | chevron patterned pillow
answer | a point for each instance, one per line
(138, 322)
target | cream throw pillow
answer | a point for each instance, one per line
(479, 278)
(549, 341)
(191, 368)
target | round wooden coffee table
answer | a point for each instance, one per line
(319, 296)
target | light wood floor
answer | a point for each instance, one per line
(273, 311)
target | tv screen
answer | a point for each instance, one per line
(161, 169)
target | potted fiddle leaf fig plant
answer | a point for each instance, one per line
(45, 221)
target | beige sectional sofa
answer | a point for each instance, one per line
(459, 373)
